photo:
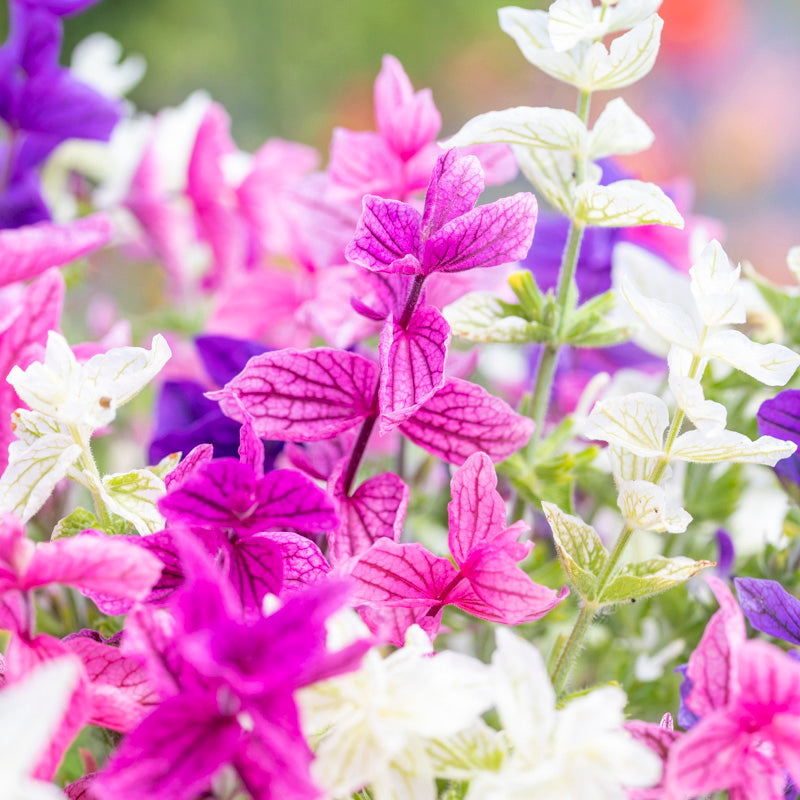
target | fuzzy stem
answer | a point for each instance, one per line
(570, 651)
(567, 655)
(94, 481)
(545, 373)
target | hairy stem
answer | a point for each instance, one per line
(571, 647)
(545, 373)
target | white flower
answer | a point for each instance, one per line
(86, 396)
(572, 753)
(68, 402)
(96, 61)
(30, 712)
(372, 726)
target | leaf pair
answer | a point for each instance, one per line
(584, 557)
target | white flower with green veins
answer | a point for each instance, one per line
(68, 402)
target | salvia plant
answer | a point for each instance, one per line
(311, 572)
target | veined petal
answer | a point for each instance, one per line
(623, 204)
(668, 320)
(387, 231)
(645, 505)
(618, 131)
(770, 608)
(302, 395)
(412, 364)
(715, 287)
(635, 422)
(375, 509)
(400, 575)
(772, 364)
(550, 128)
(463, 418)
(454, 188)
(489, 235)
(34, 470)
(477, 513)
(728, 445)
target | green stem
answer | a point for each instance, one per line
(613, 558)
(567, 655)
(546, 369)
(93, 479)
(570, 651)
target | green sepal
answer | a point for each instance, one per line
(785, 305)
(166, 465)
(646, 578)
(551, 475)
(587, 325)
(71, 525)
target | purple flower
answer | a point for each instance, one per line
(185, 418)
(780, 417)
(42, 104)
(770, 608)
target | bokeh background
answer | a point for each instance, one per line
(723, 98)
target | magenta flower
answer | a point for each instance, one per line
(396, 160)
(317, 394)
(451, 234)
(747, 696)
(249, 520)
(485, 580)
(228, 692)
(104, 568)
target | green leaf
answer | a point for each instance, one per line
(581, 551)
(133, 496)
(646, 578)
(79, 520)
(481, 317)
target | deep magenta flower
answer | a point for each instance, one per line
(485, 580)
(227, 689)
(252, 522)
(450, 235)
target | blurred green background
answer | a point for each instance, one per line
(722, 98)
(295, 68)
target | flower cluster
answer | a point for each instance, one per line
(312, 572)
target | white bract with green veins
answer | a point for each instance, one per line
(637, 426)
(68, 402)
(374, 726)
(576, 751)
